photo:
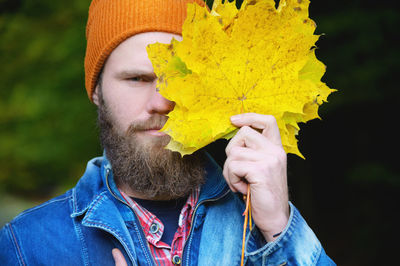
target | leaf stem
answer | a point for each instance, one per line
(246, 213)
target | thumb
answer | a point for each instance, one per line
(118, 257)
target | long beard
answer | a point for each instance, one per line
(144, 166)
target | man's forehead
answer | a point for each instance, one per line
(131, 57)
(141, 40)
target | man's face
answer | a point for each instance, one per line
(131, 111)
(129, 84)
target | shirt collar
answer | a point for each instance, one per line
(149, 220)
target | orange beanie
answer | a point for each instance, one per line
(113, 21)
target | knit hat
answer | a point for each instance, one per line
(113, 21)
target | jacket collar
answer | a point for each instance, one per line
(88, 188)
(215, 185)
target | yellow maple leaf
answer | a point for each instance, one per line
(257, 59)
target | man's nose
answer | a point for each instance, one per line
(160, 105)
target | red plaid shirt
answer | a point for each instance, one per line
(153, 229)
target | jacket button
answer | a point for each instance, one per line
(176, 260)
(154, 228)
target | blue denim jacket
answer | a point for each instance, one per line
(82, 226)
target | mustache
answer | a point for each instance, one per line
(154, 122)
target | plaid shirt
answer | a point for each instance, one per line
(153, 229)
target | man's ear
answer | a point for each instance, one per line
(95, 95)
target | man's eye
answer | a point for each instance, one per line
(136, 79)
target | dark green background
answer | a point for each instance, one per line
(346, 188)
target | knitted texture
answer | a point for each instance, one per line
(113, 21)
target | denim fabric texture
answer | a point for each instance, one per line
(82, 226)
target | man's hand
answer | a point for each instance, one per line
(118, 257)
(255, 157)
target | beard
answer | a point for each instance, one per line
(141, 165)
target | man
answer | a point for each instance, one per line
(141, 204)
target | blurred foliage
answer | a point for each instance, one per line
(48, 128)
(347, 186)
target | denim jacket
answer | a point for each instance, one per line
(82, 226)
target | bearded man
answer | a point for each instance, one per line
(140, 204)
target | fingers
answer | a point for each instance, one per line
(266, 123)
(241, 172)
(250, 138)
(241, 167)
(241, 153)
(234, 173)
(118, 257)
(251, 156)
